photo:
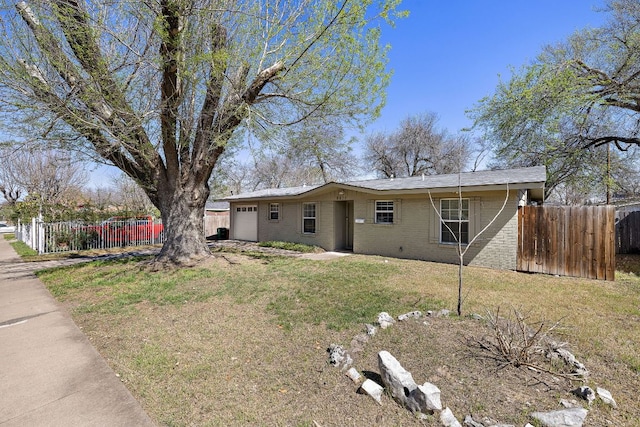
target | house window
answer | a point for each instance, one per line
(308, 217)
(384, 212)
(274, 211)
(454, 226)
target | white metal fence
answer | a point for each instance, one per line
(74, 236)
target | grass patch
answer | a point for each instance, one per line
(114, 286)
(338, 294)
(23, 250)
(297, 247)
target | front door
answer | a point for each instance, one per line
(343, 225)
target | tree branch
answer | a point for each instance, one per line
(597, 142)
(170, 91)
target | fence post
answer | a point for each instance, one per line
(41, 236)
(34, 239)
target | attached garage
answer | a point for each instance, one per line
(245, 223)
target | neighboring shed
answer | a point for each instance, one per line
(628, 228)
(216, 215)
(395, 217)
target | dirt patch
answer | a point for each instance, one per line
(237, 367)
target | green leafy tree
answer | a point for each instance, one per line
(576, 96)
(158, 89)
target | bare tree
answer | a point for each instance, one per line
(158, 89)
(312, 152)
(12, 191)
(456, 235)
(50, 175)
(418, 147)
(49, 179)
(322, 149)
(128, 197)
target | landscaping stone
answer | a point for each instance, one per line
(606, 397)
(398, 380)
(385, 320)
(371, 330)
(448, 419)
(569, 403)
(339, 357)
(403, 388)
(428, 396)
(358, 343)
(585, 393)
(470, 422)
(373, 389)
(412, 314)
(568, 358)
(354, 375)
(572, 417)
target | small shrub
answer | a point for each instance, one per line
(520, 343)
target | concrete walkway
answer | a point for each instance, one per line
(50, 374)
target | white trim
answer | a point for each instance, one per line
(272, 211)
(447, 221)
(314, 217)
(384, 211)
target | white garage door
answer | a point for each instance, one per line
(245, 223)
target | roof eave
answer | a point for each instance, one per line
(536, 188)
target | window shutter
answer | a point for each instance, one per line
(434, 221)
(475, 217)
(397, 211)
(371, 209)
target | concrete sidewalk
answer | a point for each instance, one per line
(50, 374)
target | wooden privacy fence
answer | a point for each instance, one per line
(567, 241)
(628, 233)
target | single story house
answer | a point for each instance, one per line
(418, 217)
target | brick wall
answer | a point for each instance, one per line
(415, 233)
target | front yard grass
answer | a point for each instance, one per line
(242, 340)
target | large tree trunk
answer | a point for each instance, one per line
(182, 216)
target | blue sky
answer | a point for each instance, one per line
(447, 55)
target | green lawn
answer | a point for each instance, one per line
(241, 340)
